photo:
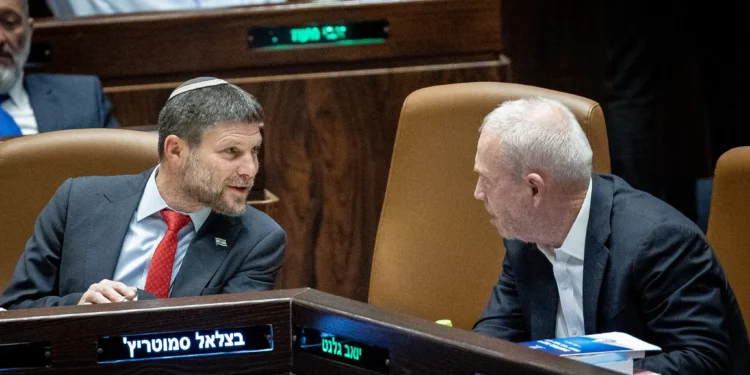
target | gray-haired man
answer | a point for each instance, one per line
(179, 229)
(586, 253)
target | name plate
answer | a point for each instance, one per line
(332, 34)
(342, 349)
(25, 355)
(141, 347)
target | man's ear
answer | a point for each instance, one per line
(176, 150)
(535, 183)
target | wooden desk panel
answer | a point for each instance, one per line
(415, 346)
(216, 40)
(73, 332)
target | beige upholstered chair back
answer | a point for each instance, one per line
(729, 222)
(33, 167)
(436, 254)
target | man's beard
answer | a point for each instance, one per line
(202, 185)
(10, 74)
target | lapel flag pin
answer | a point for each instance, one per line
(220, 242)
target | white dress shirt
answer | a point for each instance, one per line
(18, 106)
(567, 265)
(146, 230)
(82, 8)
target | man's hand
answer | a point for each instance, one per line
(107, 291)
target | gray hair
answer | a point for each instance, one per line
(540, 134)
(190, 114)
(25, 7)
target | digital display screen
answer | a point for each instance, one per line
(112, 349)
(25, 355)
(342, 349)
(282, 37)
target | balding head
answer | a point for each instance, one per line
(540, 135)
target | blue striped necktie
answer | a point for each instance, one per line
(8, 126)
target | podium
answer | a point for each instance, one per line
(300, 331)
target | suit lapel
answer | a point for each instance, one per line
(596, 253)
(544, 301)
(48, 111)
(206, 253)
(109, 224)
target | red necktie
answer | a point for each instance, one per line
(160, 271)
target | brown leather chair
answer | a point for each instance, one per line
(33, 167)
(729, 222)
(436, 254)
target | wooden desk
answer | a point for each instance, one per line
(332, 111)
(414, 346)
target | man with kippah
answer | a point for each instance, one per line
(180, 229)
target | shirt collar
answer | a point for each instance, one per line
(17, 93)
(152, 202)
(575, 242)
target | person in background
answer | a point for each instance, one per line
(42, 102)
(182, 228)
(587, 253)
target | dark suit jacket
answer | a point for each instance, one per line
(648, 271)
(62, 101)
(78, 236)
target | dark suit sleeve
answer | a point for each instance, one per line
(105, 107)
(679, 282)
(502, 318)
(35, 280)
(258, 270)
